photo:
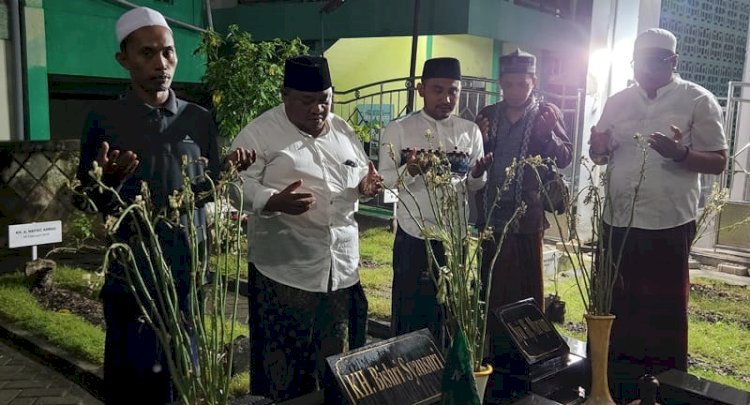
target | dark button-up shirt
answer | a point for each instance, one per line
(556, 146)
(160, 136)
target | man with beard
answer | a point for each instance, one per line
(414, 303)
(143, 139)
(303, 238)
(683, 125)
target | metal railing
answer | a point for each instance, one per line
(730, 229)
(739, 153)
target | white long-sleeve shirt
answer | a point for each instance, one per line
(450, 134)
(303, 251)
(669, 193)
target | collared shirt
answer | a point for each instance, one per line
(304, 251)
(668, 196)
(506, 145)
(160, 136)
(420, 131)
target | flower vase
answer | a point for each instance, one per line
(599, 328)
(481, 377)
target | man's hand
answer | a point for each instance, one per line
(289, 202)
(241, 158)
(546, 120)
(482, 165)
(372, 183)
(668, 147)
(484, 127)
(600, 141)
(115, 165)
(417, 163)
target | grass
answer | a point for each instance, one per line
(69, 331)
(718, 340)
(84, 282)
(376, 273)
(227, 265)
(376, 246)
(64, 330)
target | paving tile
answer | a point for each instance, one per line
(58, 401)
(36, 383)
(22, 401)
(8, 395)
(43, 392)
(24, 381)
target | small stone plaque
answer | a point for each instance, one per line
(403, 370)
(534, 337)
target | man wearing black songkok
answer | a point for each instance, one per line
(414, 303)
(517, 127)
(303, 239)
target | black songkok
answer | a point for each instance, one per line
(307, 73)
(443, 68)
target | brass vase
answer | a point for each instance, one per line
(481, 377)
(598, 342)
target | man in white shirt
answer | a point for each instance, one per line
(413, 302)
(303, 238)
(683, 125)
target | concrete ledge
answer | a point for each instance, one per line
(723, 277)
(70, 145)
(713, 258)
(730, 268)
(87, 375)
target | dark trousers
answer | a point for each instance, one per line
(135, 367)
(414, 303)
(293, 331)
(650, 302)
(135, 364)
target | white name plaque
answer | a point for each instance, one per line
(35, 233)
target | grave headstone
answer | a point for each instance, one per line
(403, 370)
(679, 387)
(532, 357)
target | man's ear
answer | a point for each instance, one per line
(122, 59)
(420, 89)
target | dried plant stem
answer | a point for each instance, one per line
(194, 333)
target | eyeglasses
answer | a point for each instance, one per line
(653, 61)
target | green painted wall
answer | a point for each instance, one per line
(81, 37)
(355, 18)
(497, 19)
(37, 93)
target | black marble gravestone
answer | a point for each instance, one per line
(532, 357)
(677, 387)
(403, 370)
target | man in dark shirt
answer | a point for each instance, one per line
(143, 138)
(517, 127)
